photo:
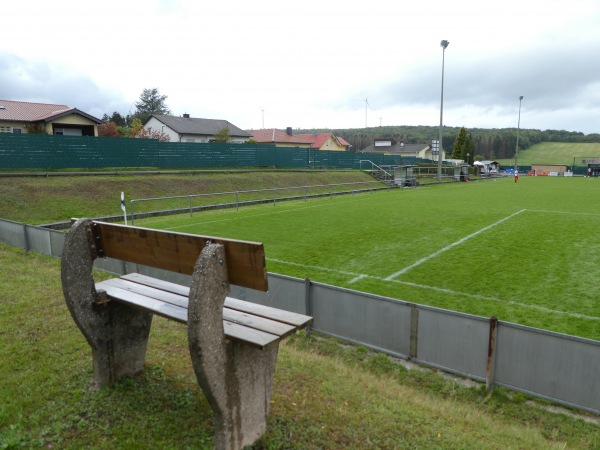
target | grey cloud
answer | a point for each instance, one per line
(30, 81)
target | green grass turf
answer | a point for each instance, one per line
(554, 153)
(527, 252)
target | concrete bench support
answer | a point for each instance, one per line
(234, 367)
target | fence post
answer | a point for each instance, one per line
(25, 238)
(307, 303)
(132, 212)
(491, 359)
(190, 206)
(414, 332)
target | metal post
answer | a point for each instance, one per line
(490, 369)
(132, 212)
(414, 332)
(190, 206)
(307, 303)
(443, 44)
(518, 127)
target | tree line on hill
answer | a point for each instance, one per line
(487, 143)
(479, 143)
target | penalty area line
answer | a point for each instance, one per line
(450, 246)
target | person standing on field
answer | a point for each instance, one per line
(516, 175)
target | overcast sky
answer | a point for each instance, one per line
(312, 63)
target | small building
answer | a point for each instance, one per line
(487, 167)
(45, 118)
(190, 129)
(389, 146)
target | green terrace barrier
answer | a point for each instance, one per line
(34, 151)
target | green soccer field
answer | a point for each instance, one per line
(526, 252)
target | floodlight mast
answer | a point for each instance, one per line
(443, 44)
(518, 127)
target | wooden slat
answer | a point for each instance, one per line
(298, 320)
(233, 331)
(178, 252)
(257, 322)
(167, 310)
(147, 291)
(158, 284)
(248, 335)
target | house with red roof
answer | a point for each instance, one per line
(279, 138)
(44, 118)
(325, 141)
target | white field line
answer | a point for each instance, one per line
(450, 246)
(569, 213)
(360, 276)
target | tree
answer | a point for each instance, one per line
(459, 149)
(151, 102)
(150, 133)
(108, 129)
(137, 130)
(116, 118)
(222, 136)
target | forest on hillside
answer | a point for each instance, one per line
(495, 143)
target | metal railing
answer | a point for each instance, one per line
(235, 199)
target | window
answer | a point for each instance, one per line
(17, 130)
(5, 130)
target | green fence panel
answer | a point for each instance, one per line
(29, 151)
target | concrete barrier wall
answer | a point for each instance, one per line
(549, 365)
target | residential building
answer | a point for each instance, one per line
(325, 141)
(190, 129)
(44, 118)
(279, 138)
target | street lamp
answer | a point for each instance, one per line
(443, 44)
(518, 127)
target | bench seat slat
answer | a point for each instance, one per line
(298, 320)
(254, 329)
(167, 310)
(258, 322)
(233, 330)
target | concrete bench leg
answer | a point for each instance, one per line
(237, 379)
(117, 333)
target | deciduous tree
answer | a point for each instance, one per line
(223, 135)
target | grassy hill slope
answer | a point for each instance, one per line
(37, 200)
(553, 153)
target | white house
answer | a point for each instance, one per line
(190, 129)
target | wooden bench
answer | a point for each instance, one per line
(233, 343)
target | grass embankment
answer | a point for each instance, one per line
(553, 153)
(325, 395)
(37, 200)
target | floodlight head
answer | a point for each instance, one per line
(444, 44)
(520, 98)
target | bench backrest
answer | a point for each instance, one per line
(178, 252)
